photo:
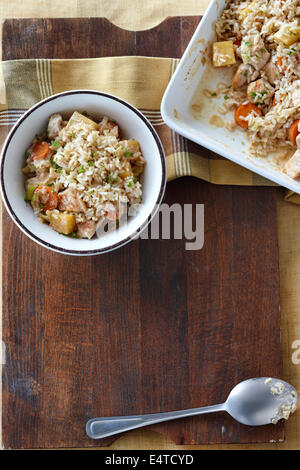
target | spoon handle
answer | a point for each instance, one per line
(98, 428)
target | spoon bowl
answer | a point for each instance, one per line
(260, 401)
(253, 402)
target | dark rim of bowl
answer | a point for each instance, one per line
(110, 247)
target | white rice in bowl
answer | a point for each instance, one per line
(81, 175)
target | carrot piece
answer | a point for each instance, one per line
(47, 197)
(294, 131)
(280, 64)
(40, 150)
(243, 111)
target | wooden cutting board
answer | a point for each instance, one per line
(150, 327)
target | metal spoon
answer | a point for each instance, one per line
(254, 402)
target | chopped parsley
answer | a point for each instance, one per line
(292, 51)
(90, 163)
(56, 166)
(95, 154)
(91, 191)
(129, 184)
(253, 94)
(246, 73)
(84, 113)
(134, 179)
(73, 135)
(263, 51)
(55, 143)
(214, 94)
(128, 154)
(226, 97)
(74, 235)
(108, 178)
(81, 170)
(248, 43)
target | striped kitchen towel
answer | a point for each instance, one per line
(139, 80)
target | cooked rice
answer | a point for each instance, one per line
(95, 163)
(265, 17)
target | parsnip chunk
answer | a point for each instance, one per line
(61, 222)
(288, 34)
(79, 120)
(247, 10)
(128, 148)
(126, 171)
(223, 54)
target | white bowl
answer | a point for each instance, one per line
(133, 124)
(194, 72)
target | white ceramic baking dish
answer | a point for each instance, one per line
(195, 72)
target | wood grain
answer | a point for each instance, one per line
(147, 328)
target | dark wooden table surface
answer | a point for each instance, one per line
(150, 327)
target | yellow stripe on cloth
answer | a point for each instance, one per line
(227, 172)
(215, 171)
(139, 80)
